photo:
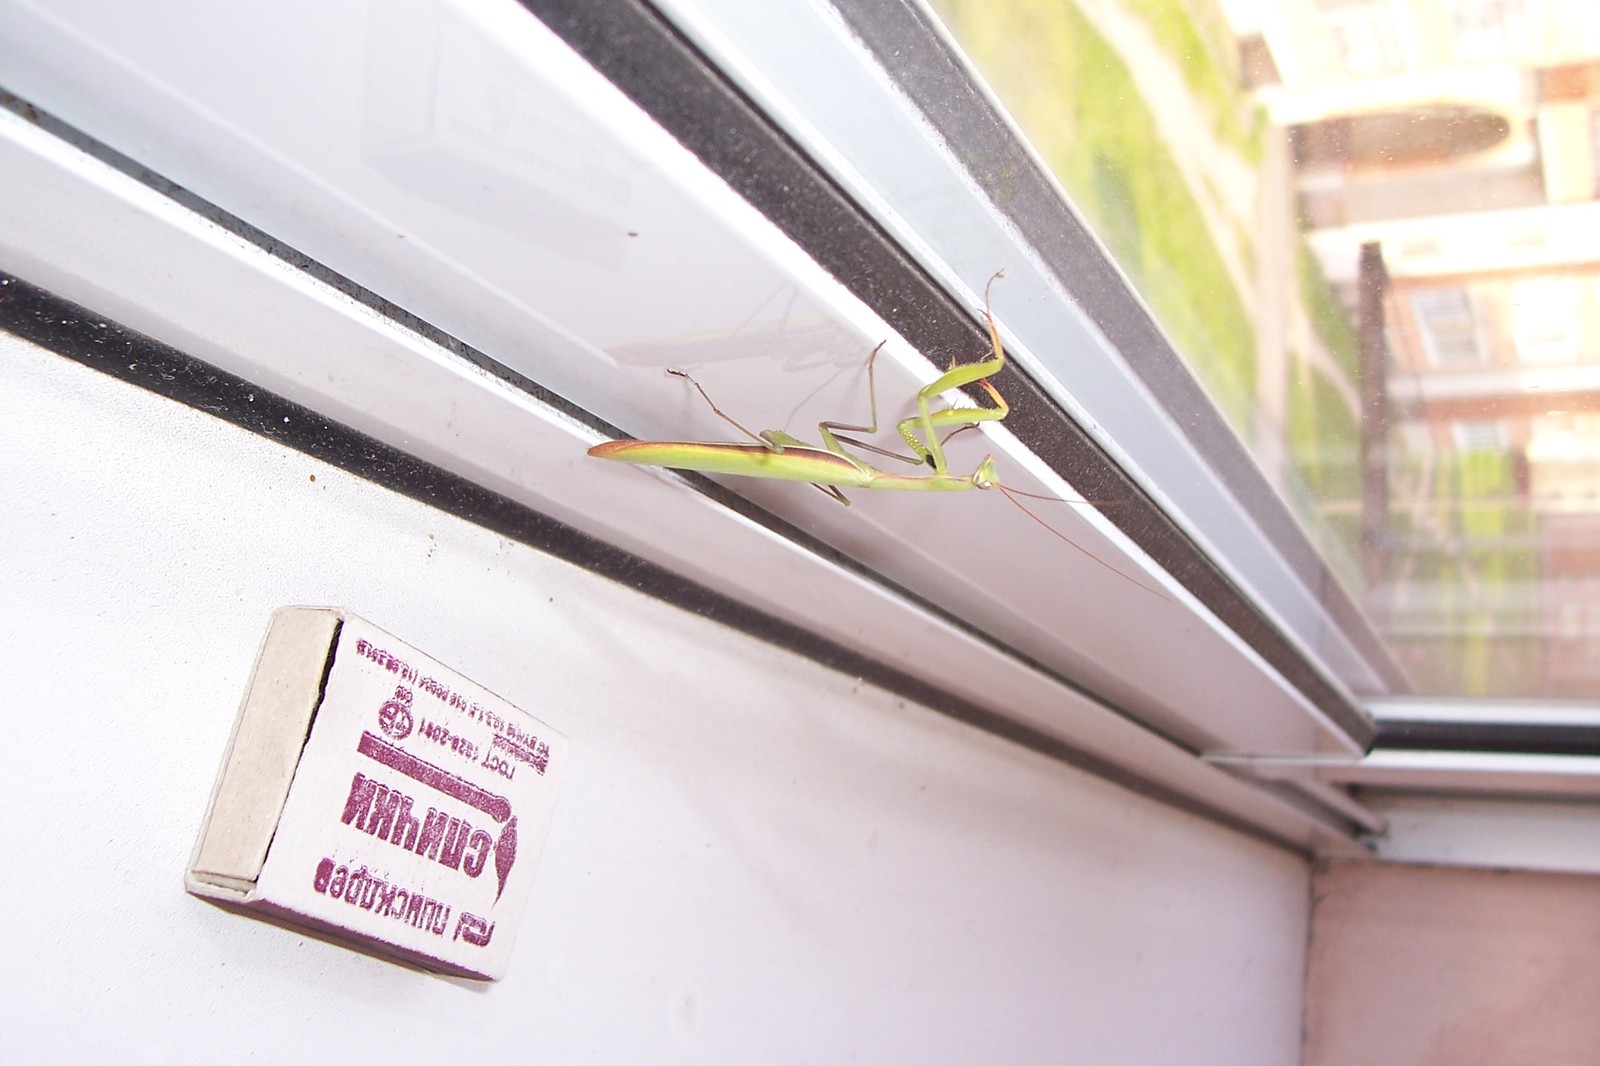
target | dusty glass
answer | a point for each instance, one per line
(1371, 228)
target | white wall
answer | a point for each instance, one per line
(753, 859)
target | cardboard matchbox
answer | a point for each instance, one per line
(374, 794)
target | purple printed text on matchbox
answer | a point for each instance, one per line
(396, 714)
(374, 747)
(359, 888)
(386, 814)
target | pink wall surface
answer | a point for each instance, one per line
(1424, 965)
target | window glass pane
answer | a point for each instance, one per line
(1254, 168)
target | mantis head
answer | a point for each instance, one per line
(984, 477)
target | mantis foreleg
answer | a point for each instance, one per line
(929, 421)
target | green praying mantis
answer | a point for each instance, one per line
(830, 468)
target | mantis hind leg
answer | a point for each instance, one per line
(771, 438)
(759, 438)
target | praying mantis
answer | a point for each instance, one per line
(830, 468)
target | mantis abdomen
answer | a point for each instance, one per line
(815, 466)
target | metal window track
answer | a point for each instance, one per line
(664, 74)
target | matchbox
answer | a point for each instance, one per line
(373, 793)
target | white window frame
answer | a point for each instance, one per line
(89, 231)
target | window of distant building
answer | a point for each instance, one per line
(1479, 436)
(1365, 35)
(1594, 129)
(1488, 29)
(1449, 328)
(1544, 319)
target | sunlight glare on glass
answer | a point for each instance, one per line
(1255, 168)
